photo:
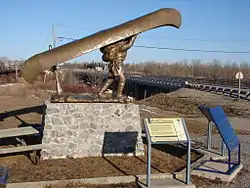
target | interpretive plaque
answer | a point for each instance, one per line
(166, 129)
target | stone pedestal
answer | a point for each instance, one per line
(75, 130)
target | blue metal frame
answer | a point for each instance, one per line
(229, 162)
(224, 145)
(205, 112)
(224, 127)
(150, 143)
(188, 152)
(148, 155)
(4, 175)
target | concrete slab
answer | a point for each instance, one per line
(169, 182)
(25, 185)
(219, 171)
(216, 157)
(213, 154)
(96, 181)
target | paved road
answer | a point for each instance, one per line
(238, 123)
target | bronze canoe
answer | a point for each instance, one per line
(40, 62)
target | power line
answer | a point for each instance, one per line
(200, 40)
(193, 50)
(68, 38)
(176, 49)
(168, 38)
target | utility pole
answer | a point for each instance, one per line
(16, 70)
(54, 35)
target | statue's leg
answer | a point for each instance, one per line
(121, 85)
(108, 82)
(106, 85)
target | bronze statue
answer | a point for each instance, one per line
(115, 54)
(113, 43)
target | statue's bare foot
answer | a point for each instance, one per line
(102, 96)
(123, 98)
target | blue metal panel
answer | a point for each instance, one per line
(3, 176)
(205, 112)
(224, 127)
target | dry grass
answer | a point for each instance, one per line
(75, 185)
(186, 101)
(22, 170)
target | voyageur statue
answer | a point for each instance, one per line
(113, 43)
(115, 54)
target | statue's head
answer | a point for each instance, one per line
(110, 52)
(115, 51)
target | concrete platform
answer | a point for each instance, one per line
(216, 170)
(168, 183)
(217, 157)
(213, 154)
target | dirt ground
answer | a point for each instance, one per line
(198, 181)
(186, 101)
(22, 169)
(183, 102)
(70, 185)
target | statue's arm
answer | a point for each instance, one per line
(132, 40)
(129, 43)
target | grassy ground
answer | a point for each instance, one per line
(22, 170)
(120, 185)
(164, 159)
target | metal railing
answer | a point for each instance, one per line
(245, 83)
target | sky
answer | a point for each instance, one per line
(26, 27)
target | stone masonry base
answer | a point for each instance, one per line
(74, 130)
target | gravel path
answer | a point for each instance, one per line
(242, 180)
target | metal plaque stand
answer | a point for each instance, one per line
(209, 140)
(205, 112)
(229, 138)
(164, 140)
(3, 177)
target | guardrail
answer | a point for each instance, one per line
(230, 91)
(156, 81)
(164, 82)
(245, 83)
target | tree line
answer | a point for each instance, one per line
(191, 69)
(188, 69)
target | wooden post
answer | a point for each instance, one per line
(16, 71)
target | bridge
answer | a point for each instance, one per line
(228, 87)
(145, 86)
(222, 90)
(141, 87)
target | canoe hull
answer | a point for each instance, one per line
(40, 62)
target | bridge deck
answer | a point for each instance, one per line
(231, 91)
